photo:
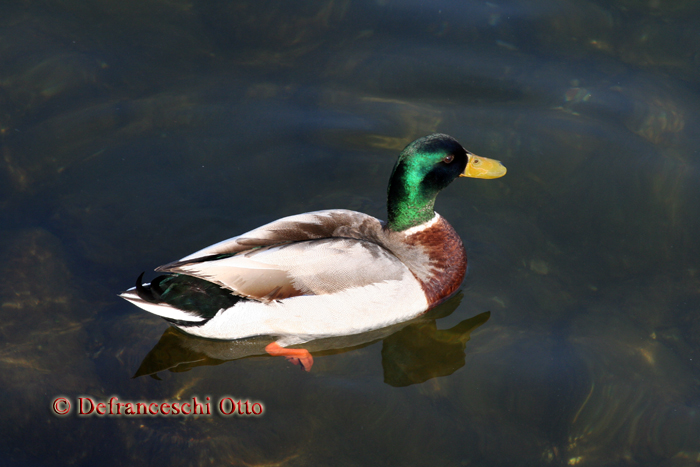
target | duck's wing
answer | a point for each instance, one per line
(309, 254)
(312, 267)
(308, 226)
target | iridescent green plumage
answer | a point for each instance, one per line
(424, 168)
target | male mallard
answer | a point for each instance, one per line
(327, 273)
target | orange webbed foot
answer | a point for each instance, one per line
(296, 356)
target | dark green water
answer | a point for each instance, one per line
(136, 132)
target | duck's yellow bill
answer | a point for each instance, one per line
(482, 167)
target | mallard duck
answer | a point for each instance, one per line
(326, 273)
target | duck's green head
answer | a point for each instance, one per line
(425, 167)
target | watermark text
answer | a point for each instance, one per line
(87, 406)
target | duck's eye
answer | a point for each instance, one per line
(448, 158)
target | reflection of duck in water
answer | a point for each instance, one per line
(412, 352)
(327, 273)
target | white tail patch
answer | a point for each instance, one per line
(161, 309)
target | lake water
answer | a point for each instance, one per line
(136, 132)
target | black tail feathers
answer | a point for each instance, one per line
(150, 293)
(187, 293)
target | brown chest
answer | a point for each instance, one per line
(446, 260)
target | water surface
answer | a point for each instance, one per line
(134, 133)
